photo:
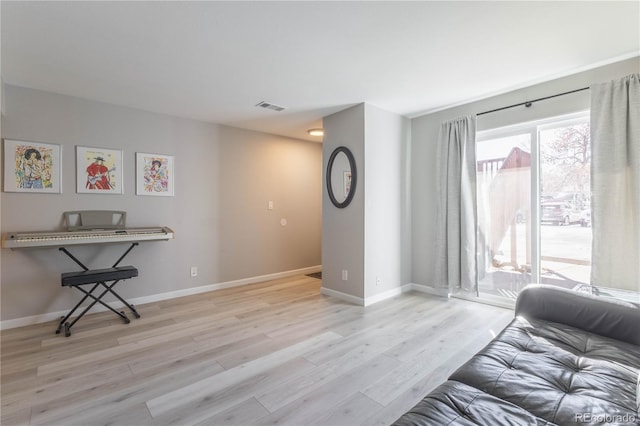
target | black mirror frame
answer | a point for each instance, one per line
(354, 177)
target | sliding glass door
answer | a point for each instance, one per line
(533, 206)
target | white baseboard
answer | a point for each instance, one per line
(387, 294)
(369, 300)
(37, 319)
(441, 292)
(342, 296)
(50, 316)
(228, 284)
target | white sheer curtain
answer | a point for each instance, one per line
(615, 183)
(456, 218)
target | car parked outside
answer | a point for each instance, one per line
(559, 213)
(585, 217)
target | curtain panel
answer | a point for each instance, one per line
(455, 267)
(615, 183)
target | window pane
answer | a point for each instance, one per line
(565, 211)
(504, 200)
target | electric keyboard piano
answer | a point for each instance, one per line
(16, 240)
(91, 227)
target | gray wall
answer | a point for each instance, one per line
(225, 178)
(343, 229)
(371, 237)
(425, 135)
(387, 205)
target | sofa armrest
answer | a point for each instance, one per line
(616, 319)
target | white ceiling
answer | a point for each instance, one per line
(214, 61)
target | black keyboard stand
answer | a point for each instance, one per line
(99, 279)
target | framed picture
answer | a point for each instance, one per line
(98, 170)
(347, 182)
(154, 174)
(32, 167)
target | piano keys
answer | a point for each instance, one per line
(17, 240)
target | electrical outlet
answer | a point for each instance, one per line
(378, 281)
(194, 271)
(345, 275)
(270, 205)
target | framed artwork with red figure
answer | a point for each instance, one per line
(99, 170)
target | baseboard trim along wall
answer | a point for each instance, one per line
(382, 296)
(486, 299)
(441, 292)
(50, 316)
(342, 296)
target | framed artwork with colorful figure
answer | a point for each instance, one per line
(154, 174)
(32, 167)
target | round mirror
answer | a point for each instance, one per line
(341, 177)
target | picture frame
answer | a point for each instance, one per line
(98, 171)
(347, 182)
(32, 167)
(155, 174)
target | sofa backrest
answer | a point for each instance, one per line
(606, 317)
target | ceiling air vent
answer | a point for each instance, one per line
(267, 105)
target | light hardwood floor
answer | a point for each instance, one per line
(277, 352)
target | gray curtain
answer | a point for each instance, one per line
(615, 183)
(456, 218)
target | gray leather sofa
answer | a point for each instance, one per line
(567, 358)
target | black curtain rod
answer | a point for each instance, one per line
(529, 103)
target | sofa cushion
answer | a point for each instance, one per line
(557, 372)
(454, 403)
